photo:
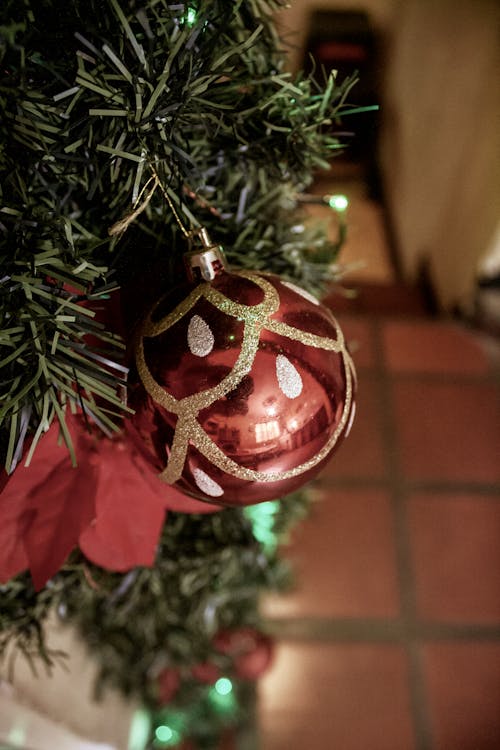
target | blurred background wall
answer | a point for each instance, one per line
(437, 69)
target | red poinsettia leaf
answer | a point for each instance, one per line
(18, 509)
(130, 511)
(13, 557)
(61, 507)
(181, 503)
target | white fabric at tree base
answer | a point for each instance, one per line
(46, 712)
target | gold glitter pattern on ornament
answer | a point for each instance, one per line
(256, 318)
(309, 339)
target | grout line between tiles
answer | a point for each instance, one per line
(418, 696)
(345, 630)
(444, 378)
(455, 378)
(377, 630)
(490, 490)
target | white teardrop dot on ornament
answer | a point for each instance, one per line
(351, 419)
(300, 291)
(206, 484)
(289, 379)
(200, 337)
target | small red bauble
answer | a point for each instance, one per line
(249, 386)
(252, 652)
(169, 682)
(206, 672)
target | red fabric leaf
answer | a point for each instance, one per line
(43, 510)
(180, 503)
(113, 504)
(130, 509)
(60, 507)
(13, 557)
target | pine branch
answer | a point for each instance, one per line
(52, 348)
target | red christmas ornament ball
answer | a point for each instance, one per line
(206, 672)
(169, 682)
(249, 387)
(252, 652)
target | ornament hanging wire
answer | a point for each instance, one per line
(194, 237)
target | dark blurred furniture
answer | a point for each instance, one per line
(345, 41)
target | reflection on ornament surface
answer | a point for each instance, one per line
(249, 387)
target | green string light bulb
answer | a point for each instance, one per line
(223, 686)
(191, 16)
(140, 729)
(221, 697)
(262, 518)
(338, 202)
(170, 729)
(165, 736)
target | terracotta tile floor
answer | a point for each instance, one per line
(391, 639)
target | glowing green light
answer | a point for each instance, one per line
(262, 512)
(164, 734)
(139, 730)
(191, 17)
(338, 202)
(270, 508)
(262, 519)
(223, 686)
(223, 704)
(17, 735)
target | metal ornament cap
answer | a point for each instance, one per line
(205, 262)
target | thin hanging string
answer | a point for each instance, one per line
(181, 226)
(123, 224)
(141, 204)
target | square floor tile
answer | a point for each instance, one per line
(362, 455)
(448, 431)
(344, 559)
(463, 681)
(342, 696)
(456, 556)
(421, 346)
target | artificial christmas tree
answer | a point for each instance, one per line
(125, 127)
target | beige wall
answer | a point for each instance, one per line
(440, 149)
(440, 144)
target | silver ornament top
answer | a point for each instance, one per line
(205, 262)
